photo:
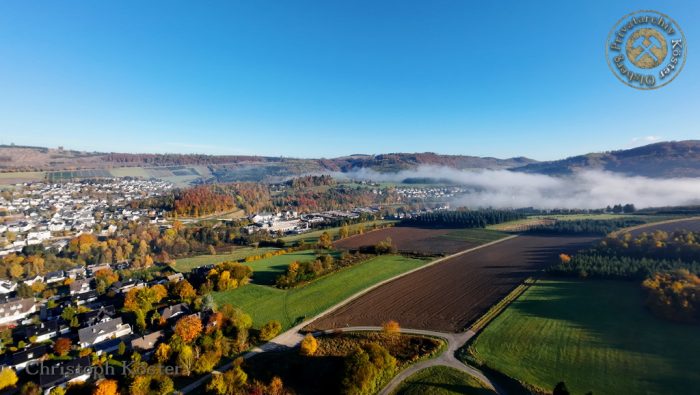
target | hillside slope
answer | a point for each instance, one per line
(659, 160)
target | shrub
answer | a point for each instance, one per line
(309, 345)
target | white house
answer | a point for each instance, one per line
(102, 331)
(7, 286)
(16, 309)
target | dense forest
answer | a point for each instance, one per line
(592, 264)
(202, 200)
(462, 219)
(668, 264)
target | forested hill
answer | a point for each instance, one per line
(402, 161)
(659, 160)
(667, 159)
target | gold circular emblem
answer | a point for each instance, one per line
(646, 48)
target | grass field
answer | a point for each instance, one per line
(442, 380)
(594, 335)
(187, 264)
(265, 271)
(265, 303)
(312, 237)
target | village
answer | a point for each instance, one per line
(37, 213)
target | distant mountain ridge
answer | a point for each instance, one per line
(659, 160)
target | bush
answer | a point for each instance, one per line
(308, 345)
(270, 330)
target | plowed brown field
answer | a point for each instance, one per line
(409, 240)
(450, 295)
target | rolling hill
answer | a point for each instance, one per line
(659, 160)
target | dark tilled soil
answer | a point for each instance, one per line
(450, 295)
(408, 240)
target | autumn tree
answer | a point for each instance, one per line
(308, 345)
(238, 320)
(30, 388)
(104, 278)
(16, 271)
(62, 346)
(206, 362)
(325, 241)
(8, 378)
(366, 368)
(188, 328)
(270, 330)
(391, 327)
(232, 381)
(184, 291)
(344, 232)
(106, 387)
(564, 258)
(186, 360)
(163, 353)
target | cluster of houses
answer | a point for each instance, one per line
(41, 213)
(99, 326)
(414, 213)
(429, 193)
(290, 222)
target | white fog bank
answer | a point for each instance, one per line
(584, 190)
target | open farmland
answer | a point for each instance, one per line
(450, 295)
(312, 237)
(423, 241)
(596, 336)
(187, 264)
(265, 303)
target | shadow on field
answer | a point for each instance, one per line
(612, 315)
(430, 387)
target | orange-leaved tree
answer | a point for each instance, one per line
(188, 328)
(106, 387)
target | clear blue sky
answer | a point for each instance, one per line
(330, 78)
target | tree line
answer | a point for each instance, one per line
(585, 226)
(668, 264)
(462, 219)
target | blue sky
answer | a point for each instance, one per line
(331, 78)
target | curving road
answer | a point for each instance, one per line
(446, 358)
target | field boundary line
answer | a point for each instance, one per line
(496, 309)
(393, 225)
